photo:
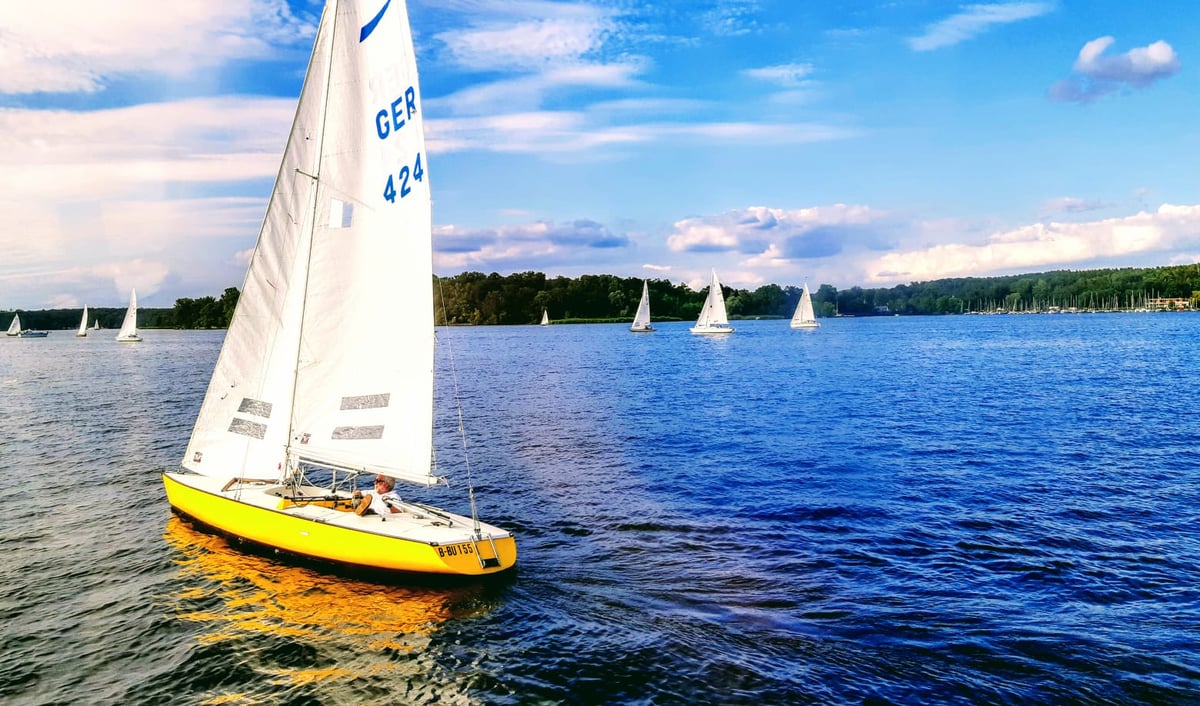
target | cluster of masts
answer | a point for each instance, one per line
(127, 334)
(1133, 303)
(713, 317)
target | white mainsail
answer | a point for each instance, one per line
(82, 331)
(545, 318)
(641, 320)
(129, 331)
(15, 326)
(306, 373)
(713, 318)
(804, 316)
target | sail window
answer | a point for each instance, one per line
(256, 407)
(366, 401)
(354, 433)
(245, 427)
(340, 213)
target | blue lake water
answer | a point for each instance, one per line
(972, 509)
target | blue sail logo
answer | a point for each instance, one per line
(369, 27)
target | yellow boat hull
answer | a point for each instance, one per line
(359, 547)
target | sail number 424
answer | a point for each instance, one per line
(401, 179)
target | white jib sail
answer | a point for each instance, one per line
(308, 368)
(641, 319)
(713, 312)
(804, 309)
(15, 326)
(129, 325)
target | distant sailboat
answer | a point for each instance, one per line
(641, 320)
(129, 332)
(96, 326)
(14, 329)
(83, 323)
(713, 318)
(545, 318)
(804, 316)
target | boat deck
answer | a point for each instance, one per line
(416, 522)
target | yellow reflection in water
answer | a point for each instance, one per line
(360, 626)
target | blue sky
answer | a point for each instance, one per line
(866, 143)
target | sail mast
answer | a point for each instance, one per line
(331, 6)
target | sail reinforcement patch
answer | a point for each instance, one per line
(351, 433)
(366, 401)
(245, 427)
(256, 407)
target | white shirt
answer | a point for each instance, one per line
(379, 502)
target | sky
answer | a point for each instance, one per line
(860, 143)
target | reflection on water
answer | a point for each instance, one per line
(301, 629)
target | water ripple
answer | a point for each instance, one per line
(928, 511)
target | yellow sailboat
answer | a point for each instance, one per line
(310, 395)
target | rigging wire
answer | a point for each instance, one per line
(462, 432)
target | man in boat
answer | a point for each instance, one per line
(383, 501)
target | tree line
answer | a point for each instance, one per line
(202, 313)
(520, 298)
(477, 299)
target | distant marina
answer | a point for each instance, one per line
(1148, 305)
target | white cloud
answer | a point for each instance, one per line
(63, 156)
(696, 234)
(539, 47)
(530, 245)
(534, 132)
(773, 234)
(731, 18)
(974, 20)
(547, 52)
(652, 106)
(563, 132)
(527, 92)
(527, 44)
(68, 46)
(104, 283)
(1098, 74)
(1068, 204)
(848, 245)
(146, 276)
(787, 75)
(1040, 246)
(771, 258)
(131, 184)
